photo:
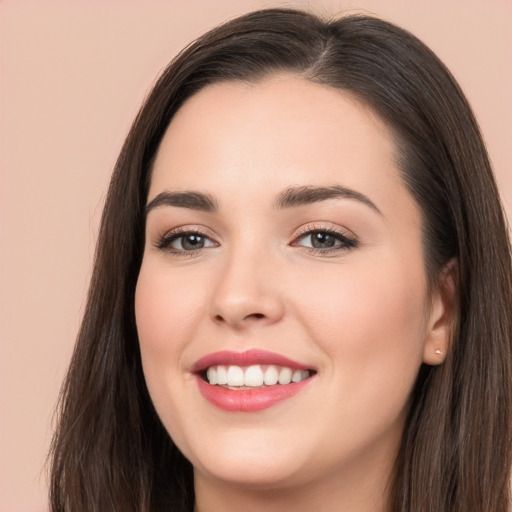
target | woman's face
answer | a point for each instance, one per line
(281, 243)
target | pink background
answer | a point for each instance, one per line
(72, 76)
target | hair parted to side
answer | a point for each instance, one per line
(110, 451)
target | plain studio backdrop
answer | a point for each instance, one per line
(72, 77)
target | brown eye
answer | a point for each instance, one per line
(323, 240)
(185, 242)
(189, 242)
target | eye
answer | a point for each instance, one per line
(325, 240)
(183, 242)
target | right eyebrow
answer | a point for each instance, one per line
(303, 195)
(192, 200)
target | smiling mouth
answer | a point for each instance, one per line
(254, 376)
(250, 381)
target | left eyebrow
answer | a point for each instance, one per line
(187, 199)
(304, 195)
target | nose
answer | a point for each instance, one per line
(247, 292)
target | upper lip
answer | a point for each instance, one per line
(247, 358)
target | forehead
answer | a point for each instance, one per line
(283, 131)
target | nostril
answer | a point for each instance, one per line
(252, 316)
(256, 315)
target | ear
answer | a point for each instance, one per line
(443, 316)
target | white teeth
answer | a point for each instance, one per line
(297, 376)
(235, 376)
(253, 376)
(211, 375)
(271, 376)
(285, 376)
(222, 376)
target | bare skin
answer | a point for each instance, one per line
(337, 283)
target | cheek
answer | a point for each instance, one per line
(370, 326)
(168, 312)
(370, 320)
(349, 302)
(165, 310)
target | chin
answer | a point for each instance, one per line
(252, 474)
(250, 462)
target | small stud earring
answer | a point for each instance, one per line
(437, 352)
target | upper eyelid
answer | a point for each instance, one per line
(298, 233)
(183, 230)
(312, 227)
(163, 240)
(164, 243)
(348, 239)
(304, 230)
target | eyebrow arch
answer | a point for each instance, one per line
(299, 196)
(192, 200)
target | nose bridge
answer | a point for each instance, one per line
(247, 287)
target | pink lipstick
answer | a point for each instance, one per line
(249, 381)
(247, 358)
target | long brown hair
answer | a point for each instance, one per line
(110, 451)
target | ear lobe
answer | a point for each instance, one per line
(443, 316)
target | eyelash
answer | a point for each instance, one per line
(344, 242)
(165, 241)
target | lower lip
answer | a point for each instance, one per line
(249, 400)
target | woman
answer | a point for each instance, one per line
(302, 290)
